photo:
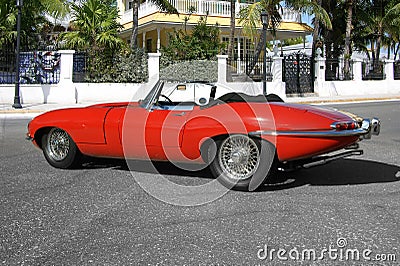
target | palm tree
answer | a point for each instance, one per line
(232, 29)
(250, 17)
(347, 48)
(55, 8)
(163, 5)
(393, 40)
(96, 31)
(33, 15)
(377, 19)
(95, 27)
(8, 19)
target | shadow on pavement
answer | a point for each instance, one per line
(337, 173)
(165, 168)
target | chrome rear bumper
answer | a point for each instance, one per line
(368, 127)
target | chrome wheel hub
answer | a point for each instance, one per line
(239, 157)
(58, 144)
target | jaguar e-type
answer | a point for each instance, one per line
(244, 139)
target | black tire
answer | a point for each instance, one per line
(60, 150)
(242, 163)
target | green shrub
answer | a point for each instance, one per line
(204, 70)
(126, 67)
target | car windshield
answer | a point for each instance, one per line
(152, 95)
(174, 93)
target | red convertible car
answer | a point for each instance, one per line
(244, 139)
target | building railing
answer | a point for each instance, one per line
(373, 70)
(203, 7)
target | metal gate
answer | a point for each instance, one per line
(298, 73)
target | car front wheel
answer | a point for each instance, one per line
(59, 149)
(243, 163)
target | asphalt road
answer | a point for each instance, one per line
(99, 215)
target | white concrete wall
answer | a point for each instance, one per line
(70, 93)
(110, 92)
(83, 92)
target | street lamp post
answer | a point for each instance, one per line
(17, 99)
(265, 21)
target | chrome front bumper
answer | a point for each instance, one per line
(368, 128)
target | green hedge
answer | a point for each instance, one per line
(205, 70)
(126, 67)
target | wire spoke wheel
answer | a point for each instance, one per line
(239, 157)
(242, 163)
(59, 149)
(58, 144)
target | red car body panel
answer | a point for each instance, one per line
(127, 130)
(84, 124)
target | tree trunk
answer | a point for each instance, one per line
(232, 30)
(373, 50)
(257, 53)
(378, 45)
(135, 21)
(396, 51)
(347, 46)
(315, 33)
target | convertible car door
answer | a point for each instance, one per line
(155, 134)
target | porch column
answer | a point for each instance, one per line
(341, 66)
(144, 41)
(222, 68)
(239, 67)
(237, 7)
(277, 69)
(200, 7)
(158, 40)
(357, 69)
(389, 69)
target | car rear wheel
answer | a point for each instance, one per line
(59, 149)
(242, 163)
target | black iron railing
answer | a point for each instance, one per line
(36, 67)
(298, 73)
(396, 68)
(373, 70)
(80, 64)
(335, 70)
(241, 66)
(7, 66)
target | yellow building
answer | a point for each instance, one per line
(155, 25)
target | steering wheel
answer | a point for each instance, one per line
(166, 97)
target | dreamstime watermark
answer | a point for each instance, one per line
(341, 251)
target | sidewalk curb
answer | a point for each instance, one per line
(346, 101)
